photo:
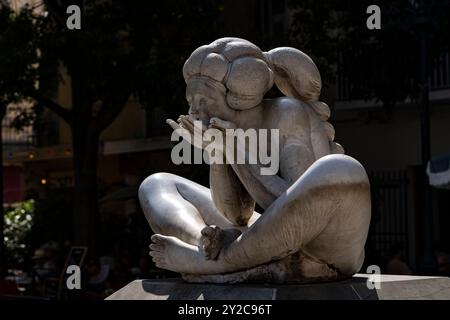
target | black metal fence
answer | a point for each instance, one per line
(390, 213)
(440, 72)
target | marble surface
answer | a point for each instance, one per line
(392, 287)
(316, 204)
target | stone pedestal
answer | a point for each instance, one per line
(391, 287)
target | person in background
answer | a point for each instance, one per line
(443, 261)
(396, 263)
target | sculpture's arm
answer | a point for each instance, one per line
(264, 189)
(295, 158)
(229, 195)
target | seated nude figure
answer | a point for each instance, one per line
(316, 208)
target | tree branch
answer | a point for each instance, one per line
(109, 111)
(62, 112)
(120, 85)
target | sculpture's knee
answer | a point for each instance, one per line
(329, 178)
(153, 181)
(333, 182)
(342, 190)
(345, 181)
(152, 187)
(338, 169)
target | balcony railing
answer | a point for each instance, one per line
(439, 80)
(14, 139)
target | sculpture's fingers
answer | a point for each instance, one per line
(197, 123)
(180, 130)
(206, 242)
(193, 130)
(180, 118)
(214, 124)
(187, 124)
(208, 231)
(173, 124)
(221, 124)
(194, 126)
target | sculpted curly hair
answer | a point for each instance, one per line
(244, 73)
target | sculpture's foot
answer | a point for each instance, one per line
(167, 252)
(172, 254)
(214, 239)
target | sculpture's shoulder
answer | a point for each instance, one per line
(289, 112)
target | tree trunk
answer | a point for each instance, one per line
(3, 262)
(85, 161)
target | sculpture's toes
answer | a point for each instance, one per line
(210, 242)
(214, 239)
(157, 249)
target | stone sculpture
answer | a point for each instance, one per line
(316, 208)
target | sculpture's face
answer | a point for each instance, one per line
(206, 101)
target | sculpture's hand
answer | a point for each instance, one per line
(221, 124)
(191, 124)
(186, 128)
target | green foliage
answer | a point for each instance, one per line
(18, 54)
(123, 48)
(18, 223)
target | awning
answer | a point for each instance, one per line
(438, 170)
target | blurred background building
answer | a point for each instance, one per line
(38, 158)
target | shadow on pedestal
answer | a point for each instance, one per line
(390, 287)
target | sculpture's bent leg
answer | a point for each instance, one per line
(325, 214)
(175, 206)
